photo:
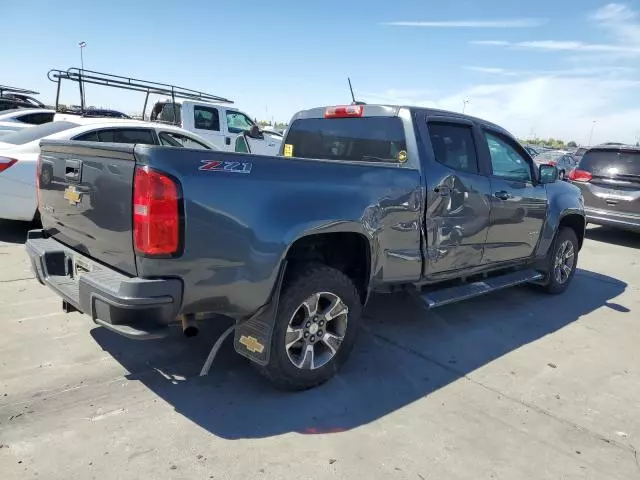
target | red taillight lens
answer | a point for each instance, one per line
(156, 218)
(580, 176)
(553, 163)
(6, 163)
(344, 111)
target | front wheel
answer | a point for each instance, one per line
(562, 261)
(316, 326)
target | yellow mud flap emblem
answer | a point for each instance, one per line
(288, 150)
(73, 195)
(402, 156)
(251, 343)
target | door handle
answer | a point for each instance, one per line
(72, 169)
(502, 195)
(227, 140)
(442, 190)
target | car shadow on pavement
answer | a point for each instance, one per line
(624, 238)
(14, 232)
(404, 353)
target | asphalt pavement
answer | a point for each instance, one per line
(514, 385)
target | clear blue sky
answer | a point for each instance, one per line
(531, 67)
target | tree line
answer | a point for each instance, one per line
(549, 143)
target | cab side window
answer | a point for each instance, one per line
(506, 162)
(453, 146)
(206, 118)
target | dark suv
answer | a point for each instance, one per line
(609, 178)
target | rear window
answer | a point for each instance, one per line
(35, 133)
(611, 163)
(370, 139)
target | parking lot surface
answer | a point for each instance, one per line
(514, 385)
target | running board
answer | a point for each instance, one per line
(438, 298)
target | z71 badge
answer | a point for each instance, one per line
(231, 167)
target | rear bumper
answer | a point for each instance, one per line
(612, 219)
(134, 307)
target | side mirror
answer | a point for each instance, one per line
(548, 174)
(254, 132)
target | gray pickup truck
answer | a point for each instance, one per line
(363, 198)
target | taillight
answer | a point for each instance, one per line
(580, 176)
(156, 216)
(553, 163)
(6, 163)
(344, 111)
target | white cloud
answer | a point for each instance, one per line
(563, 46)
(552, 106)
(507, 23)
(491, 70)
(618, 21)
(570, 72)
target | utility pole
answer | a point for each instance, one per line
(464, 104)
(593, 124)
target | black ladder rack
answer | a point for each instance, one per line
(83, 77)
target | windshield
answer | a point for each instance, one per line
(611, 163)
(379, 139)
(35, 133)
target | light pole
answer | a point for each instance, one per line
(593, 124)
(82, 45)
(464, 104)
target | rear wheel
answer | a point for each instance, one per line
(562, 261)
(316, 326)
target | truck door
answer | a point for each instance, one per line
(206, 123)
(238, 122)
(458, 203)
(518, 204)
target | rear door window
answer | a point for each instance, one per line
(368, 139)
(453, 146)
(172, 139)
(610, 163)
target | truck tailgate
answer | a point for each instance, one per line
(85, 199)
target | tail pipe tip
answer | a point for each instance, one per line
(189, 325)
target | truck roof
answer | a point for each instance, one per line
(383, 110)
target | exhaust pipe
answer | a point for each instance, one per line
(189, 325)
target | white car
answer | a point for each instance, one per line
(20, 118)
(19, 153)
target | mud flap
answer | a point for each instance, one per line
(252, 337)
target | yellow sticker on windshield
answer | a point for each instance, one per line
(402, 156)
(288, 150)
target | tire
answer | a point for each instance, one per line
(558, 283)
(290, 368)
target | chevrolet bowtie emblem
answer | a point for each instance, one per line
(71, 194)
(252, 344)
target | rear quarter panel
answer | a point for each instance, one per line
(239, 226)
